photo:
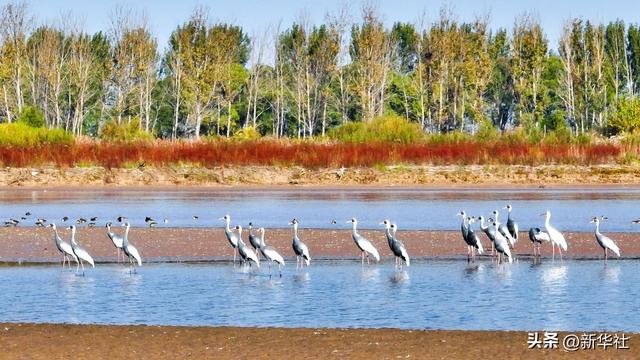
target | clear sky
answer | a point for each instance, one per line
(257, 15)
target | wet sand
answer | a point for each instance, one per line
(32, 245)
(398, 175)
(43, 341)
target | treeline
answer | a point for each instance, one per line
(302, 81)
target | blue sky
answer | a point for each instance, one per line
(256, 15)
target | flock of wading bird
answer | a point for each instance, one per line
(503, 239)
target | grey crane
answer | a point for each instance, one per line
(473, 239)
(512, 225)
(254, 240)
(270, 253)
(299, 248)
(537, 236)
(489, 231)
(245, 252)
(231, 236)
(64, 247)
(116, 240)
(398, 248)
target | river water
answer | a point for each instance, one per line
(569, 295)
(427, 209)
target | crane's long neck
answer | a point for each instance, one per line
(56, 237)
(295, 229)
(125, 238)
(546, 221)
(482, 225)
(240, 242)
(73, 237)
(228, 223)
(354, 231)
(509, 214)
(597, 227)
(388, 233)
(261, 241)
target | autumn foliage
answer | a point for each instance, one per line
(311, 154)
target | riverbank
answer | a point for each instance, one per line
(477, 175)
(164, 244)
(50, 341)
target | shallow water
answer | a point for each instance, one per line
(315, 208)
(570, 295)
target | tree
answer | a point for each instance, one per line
(371, 53)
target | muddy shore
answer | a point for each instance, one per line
(400, 175)
(44, 341)
(30, 244)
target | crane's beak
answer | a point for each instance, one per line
(543, 214)
(349, 221)
(221, 218)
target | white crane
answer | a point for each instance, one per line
(130, 250)
(502, 244)
(363, 243)
(502, 229)
(605, 242)
(80, 252)
(555, 236)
